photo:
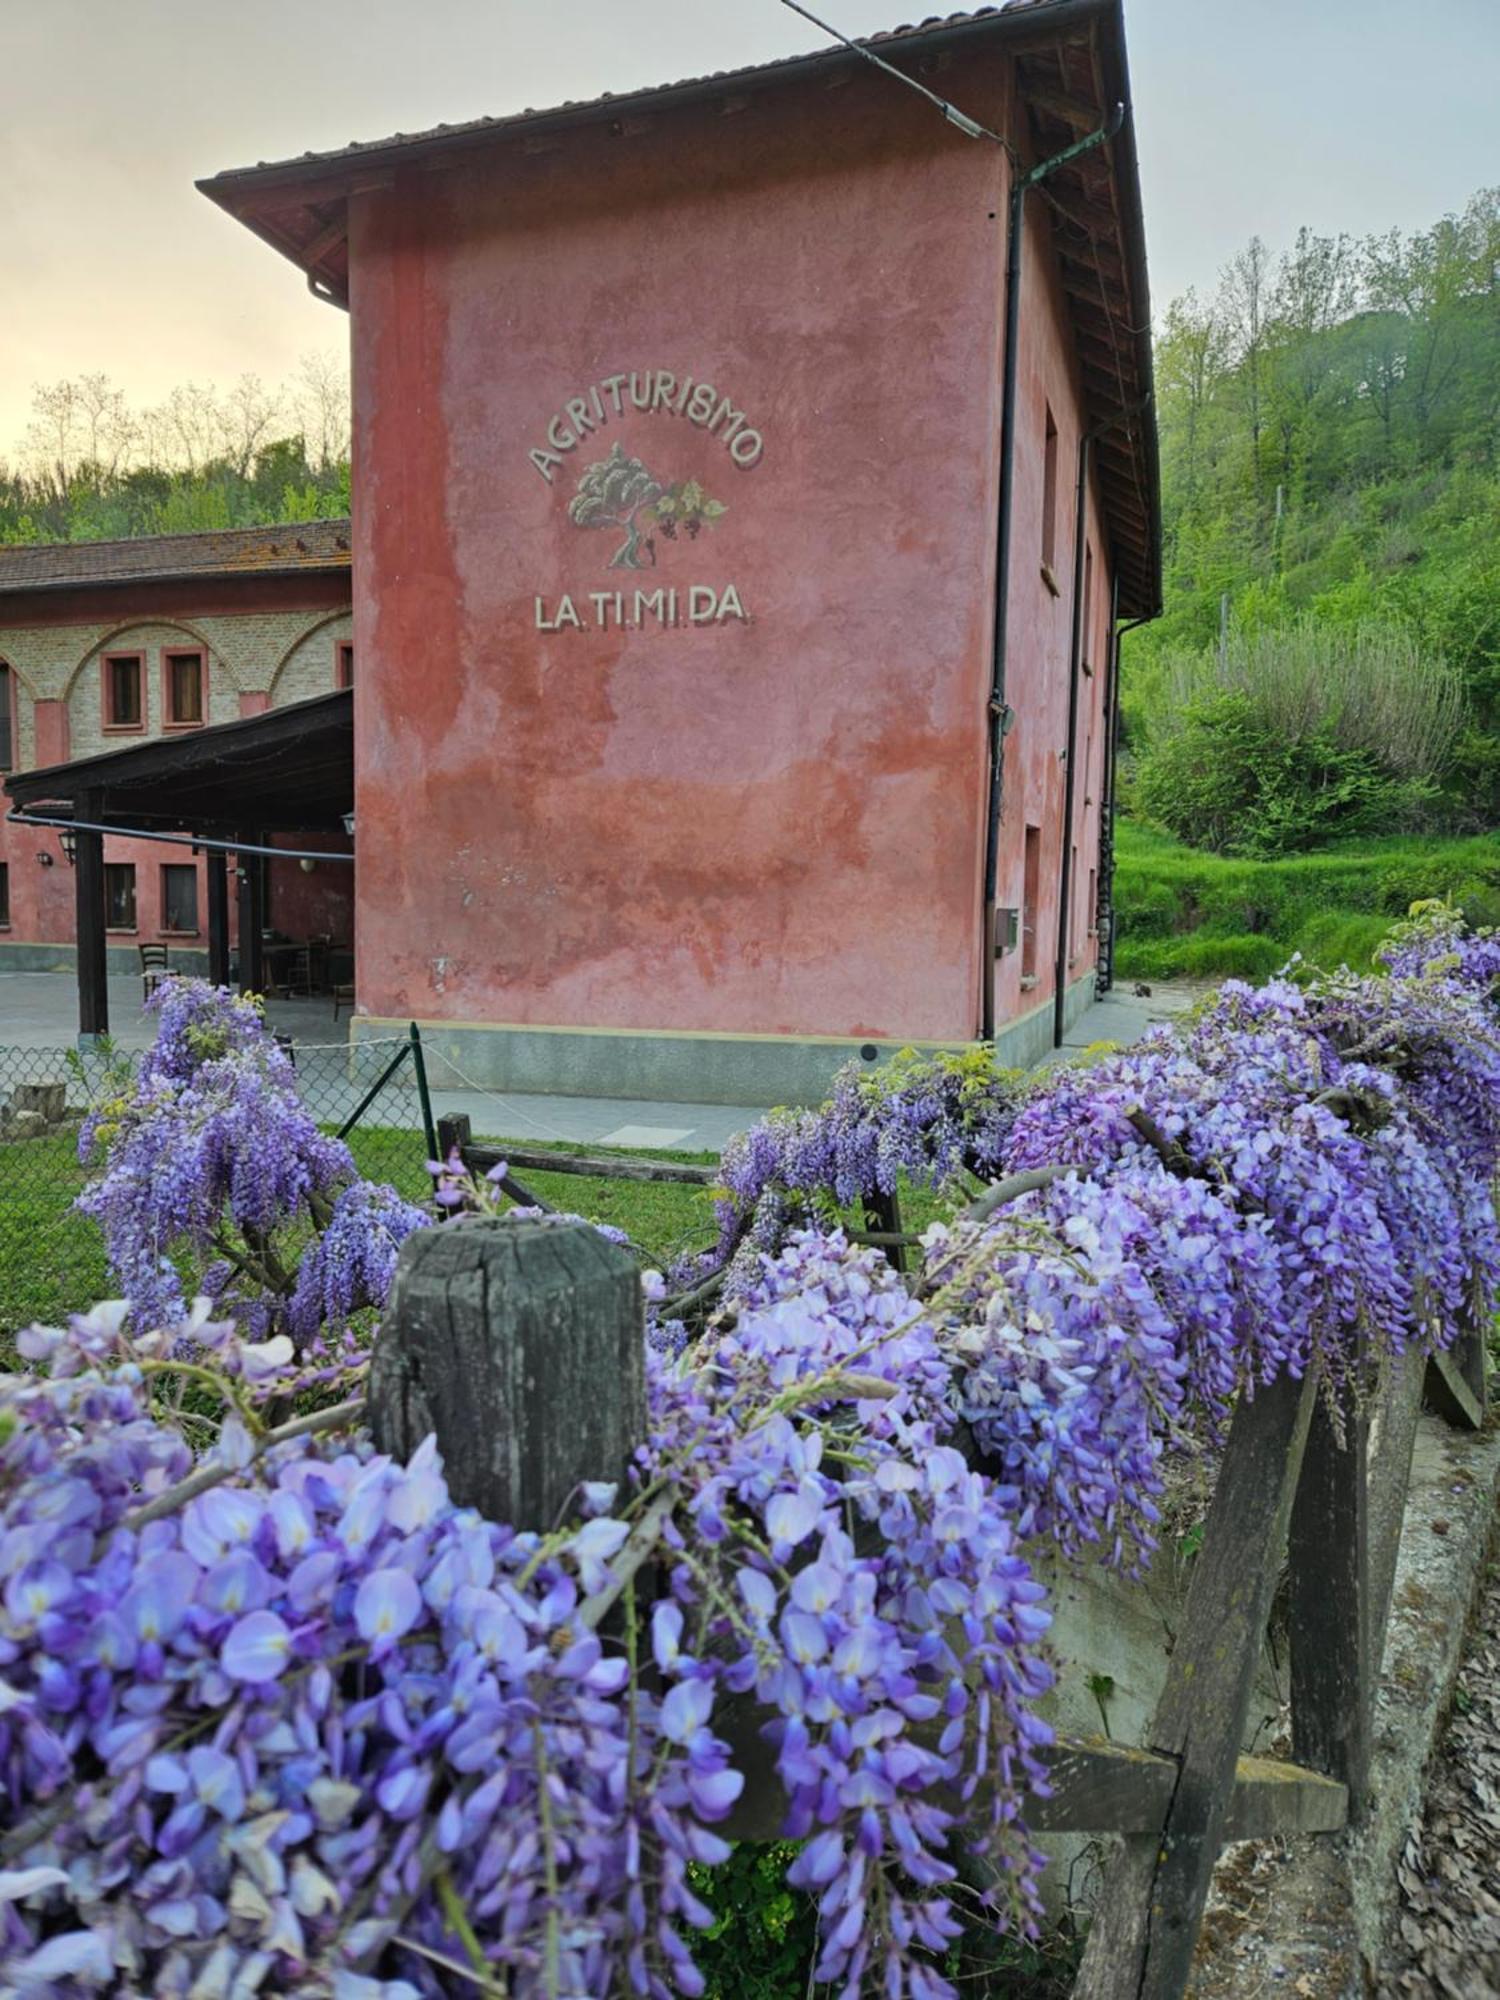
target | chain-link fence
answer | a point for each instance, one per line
(52, 1258)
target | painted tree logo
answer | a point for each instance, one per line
(619, 493)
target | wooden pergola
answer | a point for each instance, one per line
(223, 788)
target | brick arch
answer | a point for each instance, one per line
(170, 624)
(319, 624)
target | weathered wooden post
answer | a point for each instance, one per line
(453, 1134)
(522, 1346)
(1146, 1926)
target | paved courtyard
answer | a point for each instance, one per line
(38, 1011)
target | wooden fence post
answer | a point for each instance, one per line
(521, 1344)
(1333, 1636)
(883, 1214)
(453, 1134)
(1345, 1533)
(1146, 1927)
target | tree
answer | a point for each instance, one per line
(614, 492)
(320, 402)
(245, 419)
(1244, 300)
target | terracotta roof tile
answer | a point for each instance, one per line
(274, 551)
(934, 24)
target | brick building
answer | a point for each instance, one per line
(105, 645)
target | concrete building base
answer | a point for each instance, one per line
(668, 1066)
(18, 956)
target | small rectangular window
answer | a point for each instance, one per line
(119, 895)
(4, 895)
(1049, 500)
(7, 714)
(124, 684)
(182, 685)
(344, 664)
(179, 898)
(1030, 897)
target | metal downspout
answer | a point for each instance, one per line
(1070, 782)
(1075, 662)
(1104, 913)
(1107, 813)
(999, 710)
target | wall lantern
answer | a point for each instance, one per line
(349, 824)
(67, 840)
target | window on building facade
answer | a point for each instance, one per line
(1030, 897)
(4, 895)
(7, 718)
(344, 664)
(119, 895)
(182, 689)
(179, 897)
(124, 691)
(1086, 628)
(1049, 501)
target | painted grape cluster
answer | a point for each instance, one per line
(277, 1716)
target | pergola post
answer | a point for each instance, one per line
(88, 897)
(217, 866)
(252, 876)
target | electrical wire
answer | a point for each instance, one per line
(970, 127)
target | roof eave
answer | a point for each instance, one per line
(334, 172)
(47, 584)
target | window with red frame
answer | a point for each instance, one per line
(344, 664)
(183, 690)
(124, 690)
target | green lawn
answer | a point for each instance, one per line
(52, 1259)
(1184, 914)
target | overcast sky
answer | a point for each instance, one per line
(1253, 116)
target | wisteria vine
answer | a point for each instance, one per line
(277, 1716)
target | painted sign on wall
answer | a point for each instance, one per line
(632, 501)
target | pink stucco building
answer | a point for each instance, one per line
(751, 477)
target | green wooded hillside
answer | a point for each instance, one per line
(92, 466)
(1330, 429)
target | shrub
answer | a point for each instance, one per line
(1224, 778)
(1299, 734)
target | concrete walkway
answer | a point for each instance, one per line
(38, 1012)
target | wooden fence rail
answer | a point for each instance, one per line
(521, 1345)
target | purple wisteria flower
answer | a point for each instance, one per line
(300, 1724)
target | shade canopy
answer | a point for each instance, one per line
(290, 768)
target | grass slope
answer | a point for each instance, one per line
(1190, 915)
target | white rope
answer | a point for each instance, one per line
(505, 1104)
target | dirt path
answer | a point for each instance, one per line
(1447, 1938)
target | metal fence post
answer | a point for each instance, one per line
(424, 1095)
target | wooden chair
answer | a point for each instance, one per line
(154, 967)
(296, 976)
